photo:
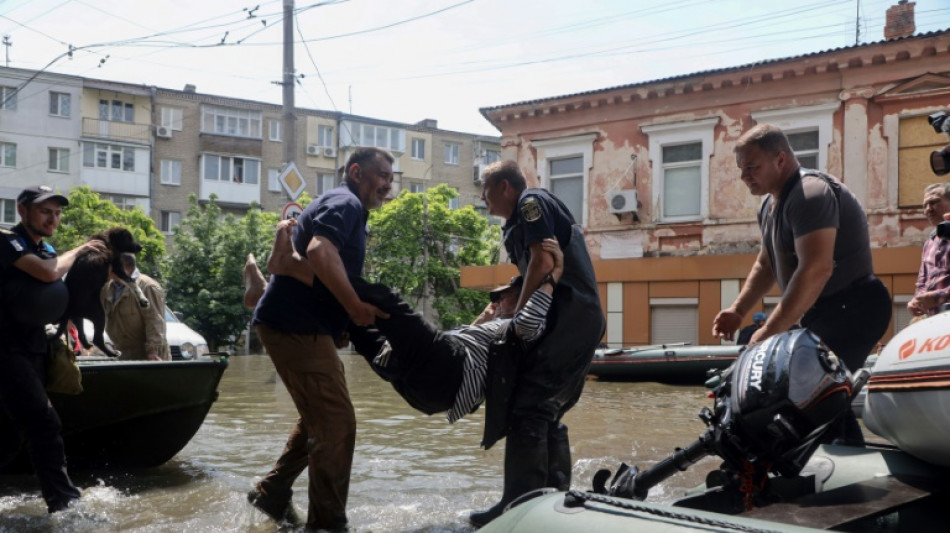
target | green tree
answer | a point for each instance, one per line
(204, 274)
(418, 244)
(88, 214)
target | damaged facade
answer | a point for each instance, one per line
(648, 170)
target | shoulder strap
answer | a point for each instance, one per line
(834, 184)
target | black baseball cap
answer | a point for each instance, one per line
(38, 194)
(496, 293)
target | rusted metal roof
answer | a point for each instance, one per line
(725, 70)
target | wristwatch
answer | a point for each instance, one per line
(549, 279)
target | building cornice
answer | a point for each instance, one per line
(836, 61)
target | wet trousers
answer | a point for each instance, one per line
(23, 398)
(324, 436)
(424, 366)
(851, 322)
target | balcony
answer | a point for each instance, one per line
(230, 193)
(95, 128)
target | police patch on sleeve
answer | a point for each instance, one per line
(14, 240)
(531, 209)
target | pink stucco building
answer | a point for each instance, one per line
(649, 171)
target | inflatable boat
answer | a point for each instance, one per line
(771, 411)
(680, 364)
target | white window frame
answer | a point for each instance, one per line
(8, 96)
(116, 110)
(273, 179)
(454, 202)
(679, 133)
(418, 149)
(614, 309)
(8, 211)
(126, 156)
(799, 154)
(126, 203)
(232, 163)
(808, 118)
(274, 130)
(172, 118)
(325, 182)
(231, 122)
(59, 99)
(452, 150)
(7, 160)
(325, 136)
(58, 160)
(563, 147)
(170, 220)
(170, 171)
(358, 134)
(568, 177)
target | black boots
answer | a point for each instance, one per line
(279, 510)
(559, 459)
(526, 469)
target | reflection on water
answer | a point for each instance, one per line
(411, 472)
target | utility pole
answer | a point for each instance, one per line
(7, 43)
(290, 120)
(857, 23)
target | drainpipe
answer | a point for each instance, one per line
(152, 91)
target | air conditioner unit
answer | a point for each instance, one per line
(329, 151)
(313, 149)
(477, 177)
(622, 201)
(164, 132)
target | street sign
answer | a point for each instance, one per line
(292, 181)
(291, 210)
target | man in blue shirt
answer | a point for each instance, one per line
(298, 326)
(33, 295)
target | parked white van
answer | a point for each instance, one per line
(184, 342)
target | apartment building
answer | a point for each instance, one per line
(153, 147)
(648, 169)
(40, 132)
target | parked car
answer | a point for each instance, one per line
(184, 342)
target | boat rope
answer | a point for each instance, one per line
(576, 498)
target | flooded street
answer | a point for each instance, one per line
(411, 472)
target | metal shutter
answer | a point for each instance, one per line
(674, 323)
(902, 316)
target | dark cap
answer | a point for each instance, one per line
(39, 194)
(496, 293)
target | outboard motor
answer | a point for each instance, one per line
(771, 408)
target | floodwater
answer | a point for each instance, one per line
(411, 472)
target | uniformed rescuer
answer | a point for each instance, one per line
(33, 294)
(549, 376)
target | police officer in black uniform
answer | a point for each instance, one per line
(548, 377)
(33, 294)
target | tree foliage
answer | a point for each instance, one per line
(87, 214)
(204, 274)
(418, 244)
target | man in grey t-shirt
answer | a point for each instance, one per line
(815, 245)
